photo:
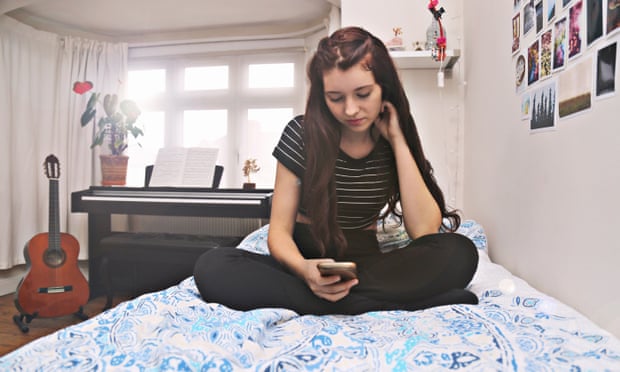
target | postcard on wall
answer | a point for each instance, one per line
(543, 107)
(575, 88)
(539, 16)
(613, 16)
(550, 10)
(525, 107)
(516, 33)
(184, 166)
(533, 57)
(546, 50)
(520, 70)
(575, 29)
(606, 67)
(594, 15)
(560, 44)
(529, 17)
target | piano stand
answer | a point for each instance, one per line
(176, 251)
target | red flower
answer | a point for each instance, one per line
(432, 4)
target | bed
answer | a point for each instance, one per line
(515, 327)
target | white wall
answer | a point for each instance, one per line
(438, 112)
(549, 201)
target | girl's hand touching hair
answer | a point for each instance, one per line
(387, 122)
(330, 288)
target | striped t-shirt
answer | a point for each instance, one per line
(361, 184)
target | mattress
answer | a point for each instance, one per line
(514, 328)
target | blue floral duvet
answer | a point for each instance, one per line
(514, 327)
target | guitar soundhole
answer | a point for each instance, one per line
(54, 258)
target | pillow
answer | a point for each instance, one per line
(474, 231)
(391, 236)
(257, 241)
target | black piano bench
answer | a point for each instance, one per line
(165, 258)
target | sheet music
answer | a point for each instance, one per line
(184, 166)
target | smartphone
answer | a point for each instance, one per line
(346, 270)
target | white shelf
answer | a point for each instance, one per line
(409, 59)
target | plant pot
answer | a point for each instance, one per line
(113, 169)
(249, 186)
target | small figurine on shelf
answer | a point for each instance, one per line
(435, 35)
(417, 46)
(249, 167)
(396, 43)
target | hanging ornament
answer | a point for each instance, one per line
(435, 35)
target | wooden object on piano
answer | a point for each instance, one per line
(54, 285)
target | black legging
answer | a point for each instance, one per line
(432, 270)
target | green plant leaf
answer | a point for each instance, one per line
(109, 104)
(92, 101)
(87, 116)
(131, 110)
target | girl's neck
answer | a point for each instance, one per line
(357, 145)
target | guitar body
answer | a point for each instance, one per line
(54, 285)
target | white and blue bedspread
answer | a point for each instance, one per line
(514, 327)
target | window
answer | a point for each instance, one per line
(239, 104)
(272, 75)
(206, 78)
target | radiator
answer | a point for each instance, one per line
(216, 226)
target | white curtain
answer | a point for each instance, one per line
(40, 115)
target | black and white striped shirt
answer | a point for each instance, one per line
(361, 184)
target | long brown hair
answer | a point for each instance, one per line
(321, 132)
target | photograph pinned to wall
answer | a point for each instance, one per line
(520, 70)
(546, 51)
(529, 17)
(606, 67)
(543, 107)
(560, 44)
(550, 10)
(575, 29)
(526, 104)
(613, 16)
(594, 15)
(575, 88)
(516, 33)
(533, 63)
(539, 16)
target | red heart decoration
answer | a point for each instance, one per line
(81, 87)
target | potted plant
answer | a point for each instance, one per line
(249, 167)
(112, 128)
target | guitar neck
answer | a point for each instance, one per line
(54, 216)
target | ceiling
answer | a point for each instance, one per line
(144, 21)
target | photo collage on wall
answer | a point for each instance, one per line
(565, 54)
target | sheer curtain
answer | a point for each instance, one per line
(39, 115)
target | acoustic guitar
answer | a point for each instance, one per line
(54, 285)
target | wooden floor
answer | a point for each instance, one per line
(11, 337)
